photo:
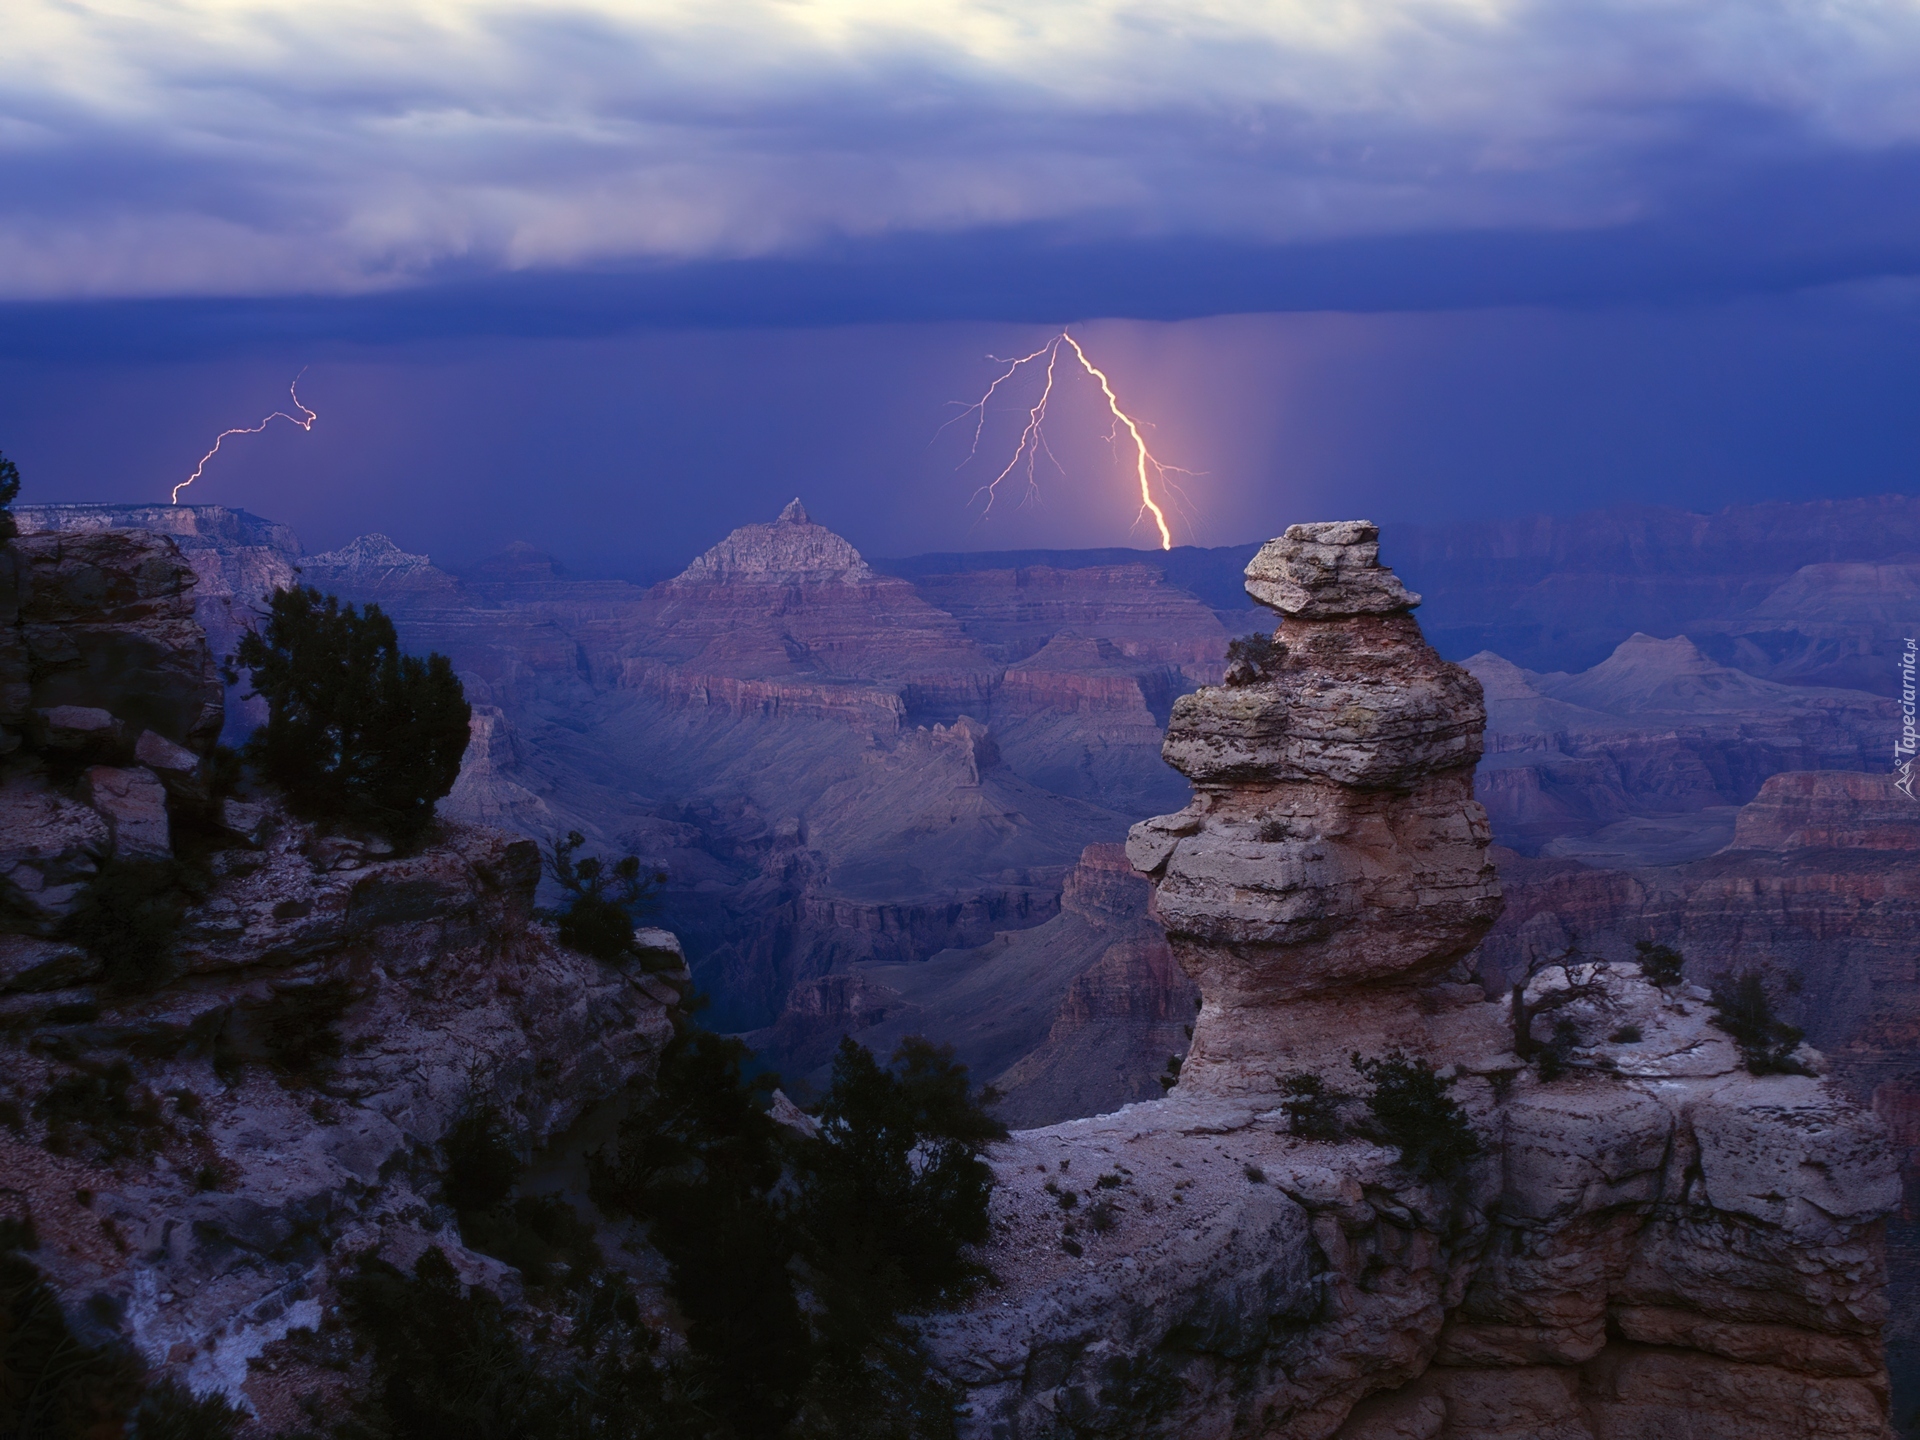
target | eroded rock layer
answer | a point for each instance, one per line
(1333, 848)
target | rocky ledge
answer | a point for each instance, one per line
(1641, 1239)
(195, 1127)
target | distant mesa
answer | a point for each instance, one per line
(791, 551)
(518, 562)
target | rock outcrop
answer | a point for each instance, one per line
(1649, 1242)
(1333, 861)
(198, 1119)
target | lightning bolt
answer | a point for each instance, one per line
(1033, 440)
(304, 420)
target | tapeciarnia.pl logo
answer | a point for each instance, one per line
(1903, 750)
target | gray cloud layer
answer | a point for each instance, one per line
(266, 148)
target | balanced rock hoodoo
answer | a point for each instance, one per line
(1333, 864)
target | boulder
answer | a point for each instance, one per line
(107, 622)
(134, 803)
(50, 847)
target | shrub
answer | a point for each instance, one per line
(897, 1184)
(1312, 1110)
(602, 902)
(793, 1259)
(1661, 964)
(1252, 658)
(1743, 1008)
(355, 730)
(300, 1030)
(1413, 1112)
(52, 1385)
(102, 1113)
(1556, 1055)
(128, 917)
(1628, 1034)
(448, 1365)
(541, 1236)
(700, 1159)
(483, 1163)
(170, 1411)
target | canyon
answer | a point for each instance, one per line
(1650, 1240)
(850, 769)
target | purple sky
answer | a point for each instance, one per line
(614, 277)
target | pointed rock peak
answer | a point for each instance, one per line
(368, 552)
(1326, 571)
(791, 551)
(1499, 677)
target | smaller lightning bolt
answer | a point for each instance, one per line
(1033, 440)
(304, 420)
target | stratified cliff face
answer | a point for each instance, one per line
(195, 1132)
(1656, 729)
(1650, 1242)
(1075, 1016)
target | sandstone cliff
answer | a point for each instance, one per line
(1650, 1241)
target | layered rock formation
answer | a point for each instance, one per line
(1333, 846)
(1650, 1242)
(1817, 890)
(109, 704)
(196, 1129)
(1657, 729)
(1075, 1016)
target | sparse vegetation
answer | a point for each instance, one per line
(1628, 1034)
(1744, 1009)
(1556, 1056)
(101, 1112)
(1252, 658)
(482, 1160)
(603, 901)
(1661, 964)
(53, 1386)
(794, 1258)
(170, 1411)
(356, 731)
(1312, 1109)
(128, 918)
(448, 1364)
(1413, 1112)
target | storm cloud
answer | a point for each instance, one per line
(797, 163)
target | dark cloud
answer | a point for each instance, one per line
(859, 160)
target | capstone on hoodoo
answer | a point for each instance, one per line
(1333, 862)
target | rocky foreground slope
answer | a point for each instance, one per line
(1654, 1242)
(190, 1142)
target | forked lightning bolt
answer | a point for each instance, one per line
(1033, 439)
(304, 420)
